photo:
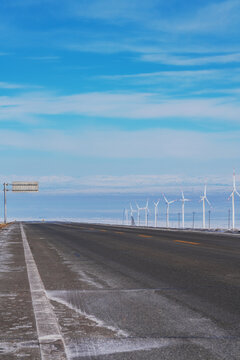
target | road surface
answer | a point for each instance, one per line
(134, 293)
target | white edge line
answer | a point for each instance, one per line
(50, 332)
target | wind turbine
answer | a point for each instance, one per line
(232, 196)
(146, 209)
(131, 213)
(126, 216)
(123, 218)
(203, 198)
(138, 213)
(183, 200)
(156, 212)
(168, 206)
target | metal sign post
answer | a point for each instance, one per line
(18, 186)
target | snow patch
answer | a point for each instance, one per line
(113, 346)
(8, 295)
(49, 338)
(99, 323)
(83, 276)
(10, 347)
(6, 258)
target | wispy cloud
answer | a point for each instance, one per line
(178, 82)
(231, 91)
(158, 144)
(6, 85)
(150, 27)
(179, 73)
(117, 106)
(27, 3)
(214, 17)
(103, 184)
(113, 10)
(150, 181)
(44, 58)
(203, 17)
(134, 183)
(192, 60)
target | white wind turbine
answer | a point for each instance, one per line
(183, 200)
(203, 198)
(146, 209)
(232, 196)
(138, 213)
(168, 206)
(132, 214)
(156, 212)
(126, 216)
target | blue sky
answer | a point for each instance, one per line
(111, 95)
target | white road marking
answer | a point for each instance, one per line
(52, 345)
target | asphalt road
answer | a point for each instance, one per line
(131, 293)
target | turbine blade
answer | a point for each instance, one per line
(165, 198)
(208, 201)
(237, 193)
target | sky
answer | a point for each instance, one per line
(109, 95)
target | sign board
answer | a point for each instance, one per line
(24, 186)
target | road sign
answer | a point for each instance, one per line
(23, 186)
(18, 186)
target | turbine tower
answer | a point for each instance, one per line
(126, 216)
(156, 212)
(203, 198)
(183, 200)
(138, 213)
(146, 209)
(132, 213)
(233, 200)
(168, 206)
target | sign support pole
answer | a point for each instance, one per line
(5, 202)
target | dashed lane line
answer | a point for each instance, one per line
(52, 345)
(144, 236)
(187, 242)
